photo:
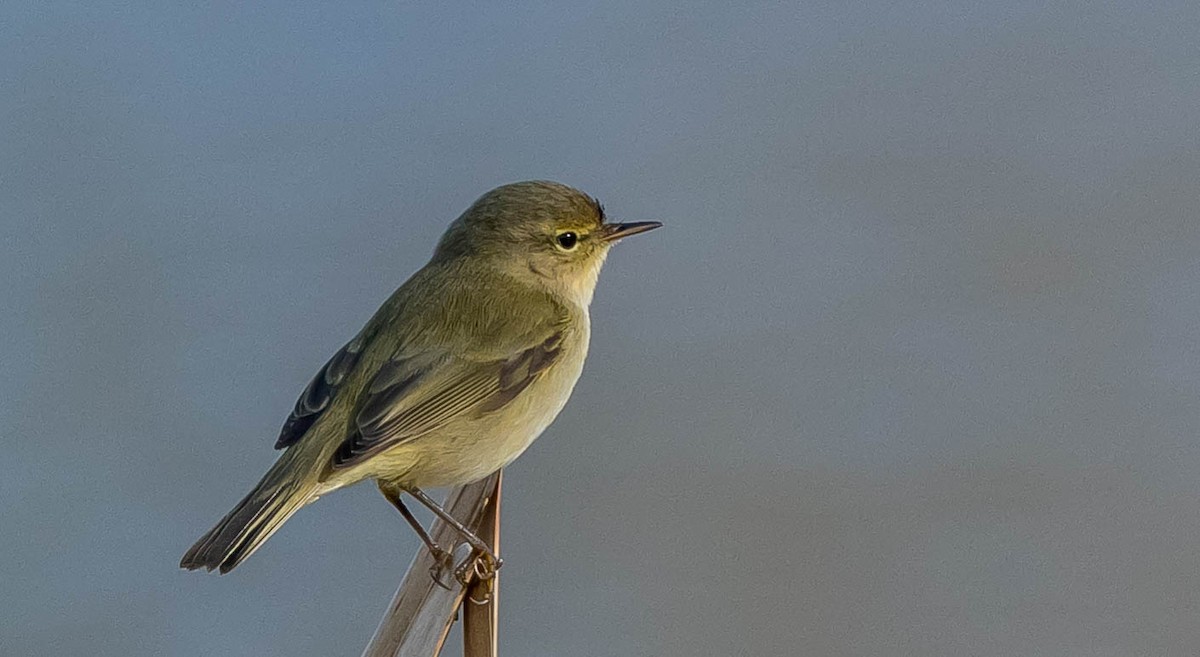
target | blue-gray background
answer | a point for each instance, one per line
(912, 370)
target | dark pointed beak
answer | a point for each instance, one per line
(614, 232)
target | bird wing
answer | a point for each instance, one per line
(319, 393)
(416, 393)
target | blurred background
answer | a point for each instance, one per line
(912, 370)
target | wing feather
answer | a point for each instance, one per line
(319, 393)
(414, 395)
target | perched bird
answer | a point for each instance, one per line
(455, 375)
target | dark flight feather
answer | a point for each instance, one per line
(319, 394)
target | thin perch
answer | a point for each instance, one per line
(421, 612)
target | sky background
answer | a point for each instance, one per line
(912, 370)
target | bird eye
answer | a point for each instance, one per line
(567, 240)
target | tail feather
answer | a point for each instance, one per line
(249, 524)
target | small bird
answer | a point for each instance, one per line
(452, 378)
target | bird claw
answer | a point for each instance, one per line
(479, 565)
(443, 561)
(487, 565)
(483, 568)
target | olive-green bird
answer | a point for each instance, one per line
(455, 375)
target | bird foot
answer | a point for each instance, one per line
(481, 565)
(443, 562)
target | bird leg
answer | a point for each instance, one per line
(443, 559)
(490, 562)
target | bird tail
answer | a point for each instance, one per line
(252, 521)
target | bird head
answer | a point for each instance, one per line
(542, 232)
